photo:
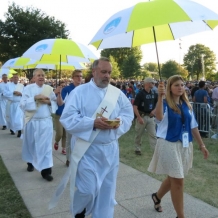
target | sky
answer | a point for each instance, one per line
(83, 18)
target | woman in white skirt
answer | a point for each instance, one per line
(174, 150)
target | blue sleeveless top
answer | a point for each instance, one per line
(170, 127)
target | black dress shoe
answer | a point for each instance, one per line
(67, 163)
(4, 127)
(48, 178)
(19, 133)
(30, 167)
(81, 215)
(138, 152)
(12, 132)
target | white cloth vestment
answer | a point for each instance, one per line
(97, 170)
(3, 102)
(14, 113)
(38, 132)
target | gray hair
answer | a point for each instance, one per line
(96, 62)
(36, 70)
(4, 75)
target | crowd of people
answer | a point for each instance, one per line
(89, 119)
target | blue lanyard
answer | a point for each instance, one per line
(182, 115)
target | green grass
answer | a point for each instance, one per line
(11, 203)
(202, 180)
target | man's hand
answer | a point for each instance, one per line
(17, 93)
(140, 120)
(45, 101)
(152, 114)
(40, 97)
(100, 124)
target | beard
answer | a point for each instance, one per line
(103, 83)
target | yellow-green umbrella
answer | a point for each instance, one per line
(7, 71)
(16, 63)
(154, 21)
(59, 50)
(55, 65)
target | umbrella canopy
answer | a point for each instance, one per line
(16, 63)
(154, 21)
(59, 50)
(7, 71)
(55, 65)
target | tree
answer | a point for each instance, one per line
(23, 28)
(131, 68)
(115, 70)
(121, 54)
(152, 67)
(200, 59)
(171, 68)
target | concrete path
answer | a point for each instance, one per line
(133, 189)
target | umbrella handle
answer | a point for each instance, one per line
(158, 62)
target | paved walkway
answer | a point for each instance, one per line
(133, 189)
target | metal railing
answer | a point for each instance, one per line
(204, 116)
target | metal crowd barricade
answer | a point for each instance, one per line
(203, 115)
(214, 123)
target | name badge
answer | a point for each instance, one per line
(185, 140)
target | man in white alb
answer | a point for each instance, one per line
(13, 94)
(86, 111)
(3, 101)
(38, 102)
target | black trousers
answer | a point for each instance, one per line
(46, 172)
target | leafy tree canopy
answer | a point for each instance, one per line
(171, 68)
(152, 67)
(115, 70)
(24, 27)
(121, 54)
(199, 59)
(131, 68)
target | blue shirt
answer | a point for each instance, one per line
(65, 91)
(199, 95)
(171, 128)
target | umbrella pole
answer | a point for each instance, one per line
(56, 77)
(157, 53)
(60, 70)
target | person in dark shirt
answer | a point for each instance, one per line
(202, 116)
(60, 131)
(144, 107)
(62, 95)
(194, 89)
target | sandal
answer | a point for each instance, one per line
(156, 201)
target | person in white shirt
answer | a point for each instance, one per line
(3, 101)
(13, 93)
(85, 114)
(38, 102)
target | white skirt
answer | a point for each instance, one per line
(170, 158)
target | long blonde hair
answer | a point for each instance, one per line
(169, 97)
